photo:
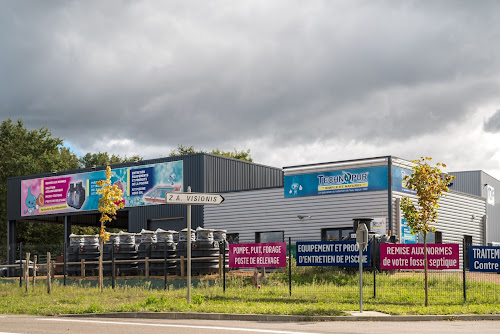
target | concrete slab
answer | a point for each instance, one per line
(367, 314)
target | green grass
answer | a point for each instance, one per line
(314, 292)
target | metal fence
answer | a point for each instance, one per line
(326, 283)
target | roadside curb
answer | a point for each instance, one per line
(282, 318)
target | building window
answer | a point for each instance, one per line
(335, 234)
(233, 238)
(438, 237)
(431, 238)
(272, 236)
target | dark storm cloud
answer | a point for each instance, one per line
(214, 74)
(493, 123)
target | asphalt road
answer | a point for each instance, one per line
(41, 325)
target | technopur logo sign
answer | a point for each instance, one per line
(336, 182)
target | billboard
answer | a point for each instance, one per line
(336, 182)
(259, 255)
(398, 184)
(439, 256)
(141, 185)
(327, 253)
(484, 258)
(406, 236)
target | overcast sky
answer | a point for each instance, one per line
(293, 81)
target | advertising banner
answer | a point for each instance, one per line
(398, 175)
(270, 254)
(439, 256)
(327, 253)
(141, 185)
(484, 258)
(336, 182)
(406, 236)
(379, 225)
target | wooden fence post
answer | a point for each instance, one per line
(83, 268)
(35, 260)
(147, 267)
(53, 269)
(27, 271)
(48, 272)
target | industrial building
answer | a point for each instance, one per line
(262, 203)
(319, 201)
(69, 197)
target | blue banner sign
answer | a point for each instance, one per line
(140, 185)
(336, 182)
(398, 184)
(406, 236)
(327, 253)
(484, 258)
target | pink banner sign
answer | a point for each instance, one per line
(271, 254)
(411, 256)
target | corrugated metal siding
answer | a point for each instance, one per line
(493, 211)
(398, 162)
(467, 182)
(203, 172)
(267, 210)
(227, 175)
(455, 216)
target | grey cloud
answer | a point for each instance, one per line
(493, 123)
(212, 74)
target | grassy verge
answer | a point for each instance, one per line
(313, 293)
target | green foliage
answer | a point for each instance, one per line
(27, 152)
(398, 293)
(111, 200)
(430, 184)
(103, 159)
(240, 155)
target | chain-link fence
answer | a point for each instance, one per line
(164, 268)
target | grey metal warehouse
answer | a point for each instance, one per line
(205, 173)
(263, 203)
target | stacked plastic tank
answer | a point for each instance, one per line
(90, 251)
(144, 250)
(127, 250)
(203, 245)
(164, 246)
(181, 249)
(152, 244)
(220, 237)
(73, 253)
(114, 241)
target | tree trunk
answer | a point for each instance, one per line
(101, 278)
(425, 271)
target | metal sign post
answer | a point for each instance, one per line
(189, 250)
(189, 199)
(362, 240)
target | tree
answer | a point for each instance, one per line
(430, 183)
(104, 159)
(111, 200)
(27, 152)
(240, 155)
